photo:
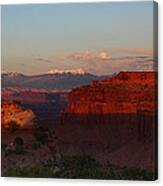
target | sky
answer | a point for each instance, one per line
(100, 38)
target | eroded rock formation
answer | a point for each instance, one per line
(127, 102)
(128, 92)
(12, 111)
(114, 120)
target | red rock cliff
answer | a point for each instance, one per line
(127, 92)
(118, 115)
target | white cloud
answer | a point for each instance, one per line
(104, 55)
(86, 56)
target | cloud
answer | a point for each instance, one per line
(128, 63)
(86, 56)
(43, 60)
(140, 58)
(135, 51)
(106, 61)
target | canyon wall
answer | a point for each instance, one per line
(128, 92)
(114, 119)
(127, 102)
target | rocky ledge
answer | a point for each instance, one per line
(16, 115)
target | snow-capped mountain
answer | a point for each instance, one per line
(73, 71)
(54, 79)
(12, 74)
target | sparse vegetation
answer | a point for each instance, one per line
(19, 145)
(41, 136)
(19, 141)
(30, 172)
(15, 147)
(82, 167)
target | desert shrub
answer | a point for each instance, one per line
(13, 126)
(82, 167)
(72, 167)
(41, 136)
(81, 162)
(19, 141)
(19, 145)
(137, 174)
(36, 145)
(30, 172)
(87, 167)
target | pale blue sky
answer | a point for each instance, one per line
(36, 38)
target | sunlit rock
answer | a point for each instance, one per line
(13, 111)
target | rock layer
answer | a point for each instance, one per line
(128, 92)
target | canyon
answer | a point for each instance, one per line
(114, 119)
(46, 104)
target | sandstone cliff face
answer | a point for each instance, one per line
(127, 92)
(125, 103)
(12, 111)
(114, 119)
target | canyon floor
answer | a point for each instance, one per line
(75, 140)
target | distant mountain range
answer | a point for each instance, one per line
(54, 79)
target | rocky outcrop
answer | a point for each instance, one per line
(128, 92)
(13, 111)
